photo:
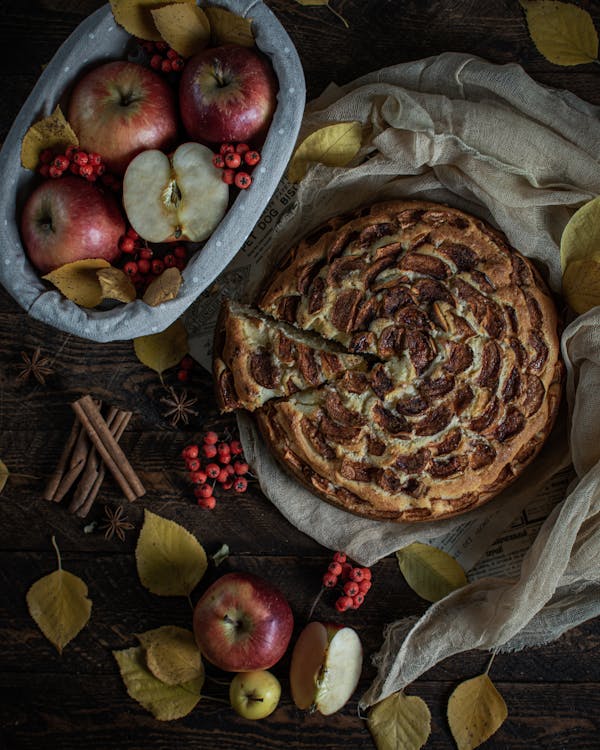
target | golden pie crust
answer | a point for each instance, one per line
(461, 379)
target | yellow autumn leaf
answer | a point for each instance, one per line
(165, 702)
(475, 711)
(400, 721)
(172, 654)
(581, 284)
(563, 33)
(59, 605)
(115, 284)
(229, 28)
(164, 288)
(333, 145)
(431, 573)
(581, 237)
(135, 16)
(51, 132)
(4, 474)
(159, 351)
(78, 281)
(326, 4)
(183, 26)
(170, 560)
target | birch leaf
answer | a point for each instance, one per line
(170, 560)
(51, 132)
(400, 721)
(4, 474)
(135, 16)
(581, 237)
(431, 573)
(116, 284)
(78, 281)
(172, 654)
(563, 33)
(333, 145)
(159, 351)
(581, 284)
(164, 288)
(165, 702)
(183, 26)
(475, 711)
(229, 28)
(59, 605)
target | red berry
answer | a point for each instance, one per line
(74, 168)
(357, 600)
(240, 467)
(343, 603)
(243, 180)
(223, 476)
(183, 376)
(228, 176)
(162, 46)
(251, 158)
(208, 502)
(69, 151)
(236, 447)
(61, 162)
(147, 253)
(241, 148)
(229, 469)
(226, 148)
(179, 251)
(46, 156)
(157, 266)
(366, 573)
(218, 161)
(339, 557)
(192, 464)
(100, 170)
(356, 574)
(346, 570)
(177, 64)
(180, 263)
(334, 568)
(213, 470)
(197, 477)
(351, 588)
(166, 66)
(86, 170)
(80, 157)
(329, 580)
(169, 260)
(130, 268)
(156, 62)
(172, 55)
(127, 245)
(44, 170)
(187, 363)
(94, 159)
(233, 160)
(144, 265)
(223, 449)
(54, 172)
(240, 485)
(132, 233)
(210, 451)
(364, 586)
(225, 458)
(210, 438)
(190, 451)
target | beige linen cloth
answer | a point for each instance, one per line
(487, 139)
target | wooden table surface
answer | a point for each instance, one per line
(78, 700)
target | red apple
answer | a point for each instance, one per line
(120, 109)
(69, 219)
(243, 623)
(227, 93)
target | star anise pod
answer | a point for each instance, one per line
(35, 365)
(179, 406)
(116, 523)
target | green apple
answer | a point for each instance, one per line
(254, 695)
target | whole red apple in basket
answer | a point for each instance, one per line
(243, 623)
(70, 219)
(119, 109)
(227, 93)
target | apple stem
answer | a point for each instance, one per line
(216, 700)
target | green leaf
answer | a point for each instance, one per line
(165, 702)
(160, 351)
(333, 145)
(400, 722)
(170, 560)
(476, 710)
(563, 33)
(431, 573)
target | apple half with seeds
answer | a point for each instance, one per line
(325, 668)
(175, 198)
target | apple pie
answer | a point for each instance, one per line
(447, 340)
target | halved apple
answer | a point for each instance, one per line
(325, 668)
(181, 197)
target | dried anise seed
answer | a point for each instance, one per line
(35, 365)
(115, 524)
(179, 406)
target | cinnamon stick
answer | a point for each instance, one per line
(108, 448)
(75, 465)
(54, 481)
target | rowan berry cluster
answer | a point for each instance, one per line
(230, 158)
(225, 467)
(75, 161)
(143, 263)
(162, 58)
(355, 582)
